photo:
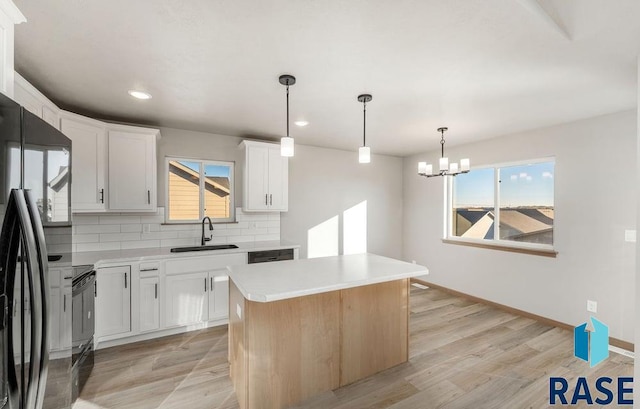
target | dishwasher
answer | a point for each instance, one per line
(270, 255)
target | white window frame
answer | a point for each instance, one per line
(203, 163)
(496, 241)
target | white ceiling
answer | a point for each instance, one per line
(481, 67)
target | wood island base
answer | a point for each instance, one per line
(284, 352)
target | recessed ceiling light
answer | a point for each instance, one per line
(301, 123)
(139, 94)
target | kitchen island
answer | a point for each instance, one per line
(301, 327)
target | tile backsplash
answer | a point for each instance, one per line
(115, 231)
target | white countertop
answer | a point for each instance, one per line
(134, 255)
(281, 280)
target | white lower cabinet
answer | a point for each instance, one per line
(113, 301)
(193, 298)
(55, 297)
(149, 304)
(186, 299)
(218, 295)
(163, 296)
(59, 304)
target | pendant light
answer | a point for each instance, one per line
(286, 142)
(445, 169)
(364, 153)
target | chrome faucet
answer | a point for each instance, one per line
(206, 239)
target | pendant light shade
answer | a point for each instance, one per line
(364, 153)
(286, 142)
(286, 146)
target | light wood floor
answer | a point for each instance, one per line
(462, 355)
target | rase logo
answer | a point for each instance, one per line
(592, 347)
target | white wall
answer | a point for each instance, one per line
(324, 183)
(595, 201)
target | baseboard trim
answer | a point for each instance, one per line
(113, 341)
(629, 346)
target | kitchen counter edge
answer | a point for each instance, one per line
(162, 253)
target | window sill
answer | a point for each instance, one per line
(503, 247)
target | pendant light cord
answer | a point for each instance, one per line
(364, 124)
(287, 108)
(442, 143)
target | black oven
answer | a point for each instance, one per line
(83, 325)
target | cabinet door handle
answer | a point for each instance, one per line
(101, 195)
(266, 199)
(205, 285)
(64, 303)
(149, 269)
(148, 197)
(270, 199)
(95, 289)
(211, 287)
(125, 280)
(156, 284)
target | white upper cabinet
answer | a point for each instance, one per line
(88, 158)
(113, 166)
(9, 16)
(132, 169)
(266, 178)
(34, 101)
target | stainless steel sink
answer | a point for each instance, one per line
(203, 248)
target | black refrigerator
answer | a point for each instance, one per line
(35, 209)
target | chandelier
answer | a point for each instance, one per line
(444, 167)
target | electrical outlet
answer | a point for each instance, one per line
(238, 310)
(252, 225)
(413, 261)
(630, 236)
(146, 228)
(592, 306)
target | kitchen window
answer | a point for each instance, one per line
(510, 206)
(199, 188)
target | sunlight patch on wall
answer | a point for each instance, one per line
(355, 229)
(323, 239)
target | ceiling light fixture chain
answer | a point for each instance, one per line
(286, 142)
(364, 153)
(445, 169)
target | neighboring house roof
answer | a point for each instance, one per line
(524, 220)
(61, 179)
(521, 221)
(482, 229)
(219, 180)
(215, 184)
(472, 214)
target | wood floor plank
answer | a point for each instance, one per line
(462, 354)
